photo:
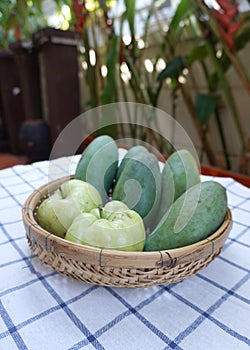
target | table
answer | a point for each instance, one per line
(41, 309)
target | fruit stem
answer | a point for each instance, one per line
(100, 210)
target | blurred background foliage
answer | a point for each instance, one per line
(116, 37)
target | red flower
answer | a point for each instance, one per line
(80, 13)
(227, 23)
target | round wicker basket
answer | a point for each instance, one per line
(117, 268)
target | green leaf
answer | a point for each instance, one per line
(38, 5)
(91, 73)
(11, 22)
(109, 94)
(173, 69)
(213, 81)
(130, 15)
(22, 9)
(110, 88)
(198, 53)
(182, 12)
(240, 42)
(242, 39)
(205, 106)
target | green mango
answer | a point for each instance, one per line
(139, 186)
(98, 164)
(194, 216)
(179, 173)
(132, 153)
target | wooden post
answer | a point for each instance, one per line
(58, 63)
(11, 97)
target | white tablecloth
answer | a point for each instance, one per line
(41, 309)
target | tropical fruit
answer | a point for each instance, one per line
(98, 164)
(194, 216)
(139, 185)
(179, 173)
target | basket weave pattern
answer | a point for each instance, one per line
(117, 268)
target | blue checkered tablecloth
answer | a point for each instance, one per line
(41, 309)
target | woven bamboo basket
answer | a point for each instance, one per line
(112, 267)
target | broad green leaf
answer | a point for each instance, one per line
(182, 12)
(205, 106)
(173, 69)
(197, 53)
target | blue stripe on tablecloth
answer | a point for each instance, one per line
(11, 240)
(240, 223)
(31, 168)
(20, 252)
(131, 310)
(24, 285)
(231, 240)
(12, 262)
(11, 206)
(77, 322)
(11, 328)
(13, 197)
(55, 164)
(93, 338)
(63, 171)
(63, 306)
(22, 179)
(233, 263)
(239, 204)
(39, 169)
(236, 194)
(229, 291)
(235, 240)
(52, 292)
(50, 310)
(21, 182)
(11, 222)
(135, 311)
(19, 194)
(31, 320)
(207, 314)
(12, 185)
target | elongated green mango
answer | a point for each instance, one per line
(139, 186)
(133, 152)
(98, 164)
(194, 216)
(179, 173)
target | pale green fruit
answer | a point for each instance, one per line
(56, 213)
(123, 229)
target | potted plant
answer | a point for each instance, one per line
(197, 37)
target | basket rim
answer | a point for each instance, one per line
(116, 258)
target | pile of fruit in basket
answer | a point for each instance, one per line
(131, 205)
